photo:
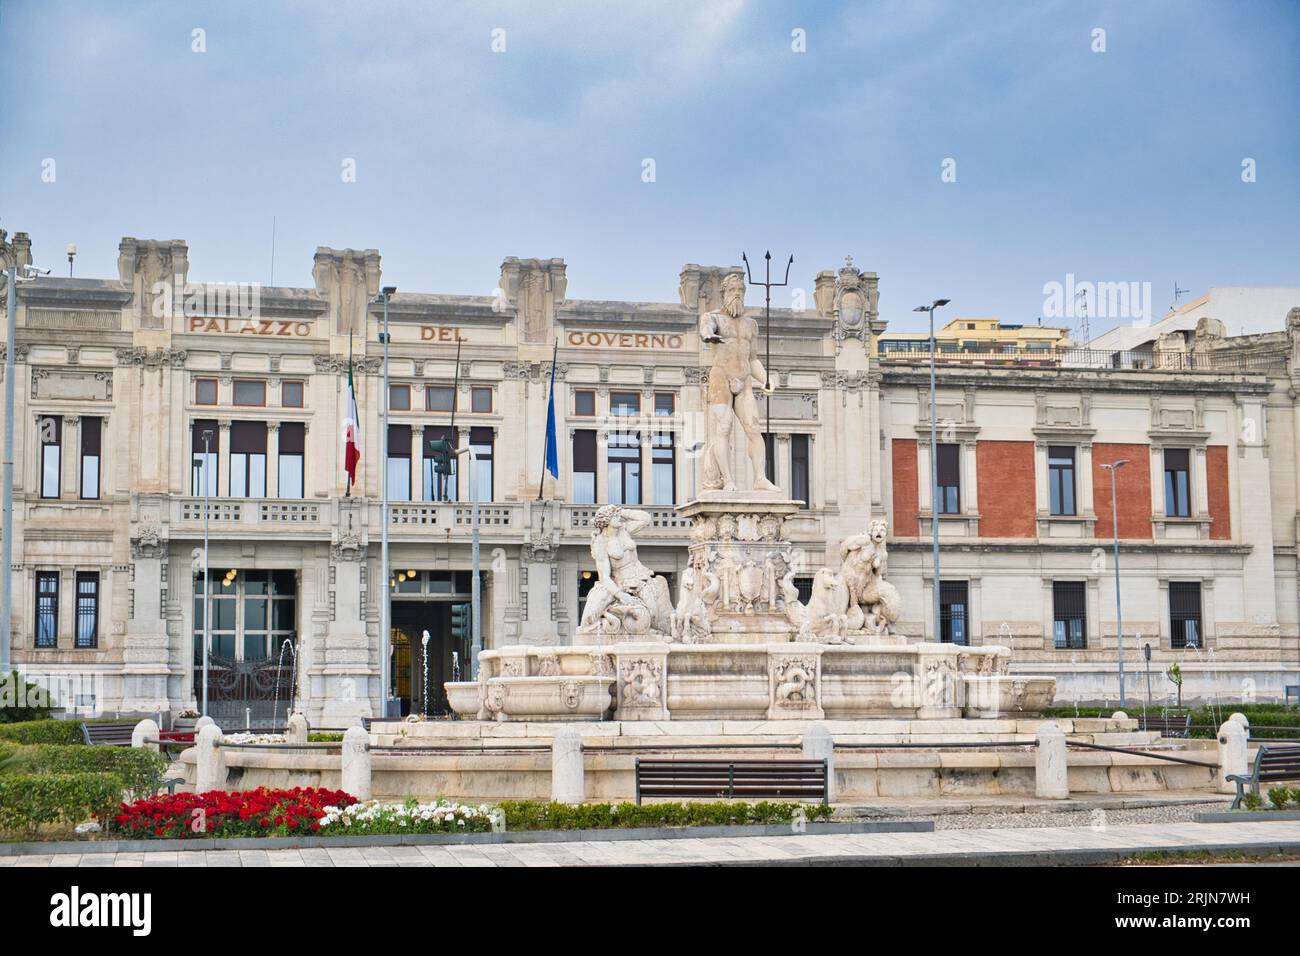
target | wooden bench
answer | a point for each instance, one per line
(1273, 764)
(108, 735)
(1168, 724)
(731, 779)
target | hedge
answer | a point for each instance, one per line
(140, 770)
(43, 732)
(30, 801)
(21, 700)
(535, 815)
(1282, 720)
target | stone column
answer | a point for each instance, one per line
(417, 462)
(1051, 781)
(602, 465)
(273, 460)
(211, 771)
(145, 735)
(1233, 753)
(356, 763)
(464, 466)
(567, 784)
(223, 459)
(818, 744)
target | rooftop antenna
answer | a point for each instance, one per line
(1083, 314)
(272, 282)
(1178, 294)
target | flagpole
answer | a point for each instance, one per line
(347, 485)
(550, 407)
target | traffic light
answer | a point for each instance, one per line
(460, 622)
(440, 452)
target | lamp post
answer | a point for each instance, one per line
(934, 463)
(385, 610)
(475, 592)
(1119, 615)
(207, 581)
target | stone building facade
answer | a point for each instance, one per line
(135, 393)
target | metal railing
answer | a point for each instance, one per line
(1225, 360)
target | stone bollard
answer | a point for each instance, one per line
(145, 735)
(211, 771)
(1241, 719)
(1051, 774)
(297, 730)
(818, 744)
(567, 783)
(356, 763)
(1232, 753)
(204, 721)
(1119, 715)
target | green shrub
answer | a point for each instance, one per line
(30, 801)
(1279, 797)
(21, 700)
(1251, 801)
(1266, 720)
(536, 815)
(324, 738)
(43, 732)
(140, 770)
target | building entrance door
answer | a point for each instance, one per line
(420, 668)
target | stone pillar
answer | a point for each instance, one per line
(223, 459)
(818, 744)
(1233, 753)
(1050, 766)
(204, 721)
(297, 730)
(211, 771)
(356, 763)
(417, 462)
(273, 459)
(145, 735)
(567, 784)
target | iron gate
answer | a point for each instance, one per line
(257, 694)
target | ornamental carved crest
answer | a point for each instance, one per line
(640, 681)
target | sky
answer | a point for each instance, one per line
(975, 151)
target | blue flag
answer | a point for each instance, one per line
(552, 446)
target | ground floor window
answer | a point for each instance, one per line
(87, 609)
(47, 609)
(953, 614)
(1069, 611)
(1185, 614)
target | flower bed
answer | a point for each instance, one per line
(373, 817)
(217, 813)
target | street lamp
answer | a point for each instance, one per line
(934, 463)
(1119, 616)
(207, 581)
(385, 676)
(475, 595)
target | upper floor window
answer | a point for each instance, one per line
(205, 391)
(250, 392)
(482, 440)
(248, 460)
(584, 402)
(293, 440)
(663, 469)
(1060, 480)
(949, 480)
(291, 394)
(399, 462)
(1177, 483)
(439, 479)
(480, 398)
(91, 429)
(203, 457)
(399, 398)
(1185, 614)
(584, 466)
(47, 609)
(51, 429)
(439, 398)
(625, 403)
(1069, 615)
(665, 403)
(800, 466)
(623, 468)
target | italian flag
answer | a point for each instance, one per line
(351, 452)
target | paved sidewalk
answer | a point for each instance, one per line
(1039, 846)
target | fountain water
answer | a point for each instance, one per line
(424, 690)
(288, 644)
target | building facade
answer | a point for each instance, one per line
(140, 398)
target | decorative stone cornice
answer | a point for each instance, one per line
(145, 358)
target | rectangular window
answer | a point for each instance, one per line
(248, 460)
(87, 609)
(291, 394)
(399, 462)
(439, 486)
(249, 392)
(624, 468)
(584, 466)
(399, 398)
(47, 609)
(948, 465)
(1060, 479)
(203, 457)
(584, 402)
(439, 398)
(1177, 483)
(205, 391)
(1069, 615)
(665, 403)
(51, 429)
(1185, 614)
(480, 399)
(800, 485)
(91, 429)
(482, 440)
(663, 469)
(952, 613)
(769, 456)
(625, 403)
(293, 440)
